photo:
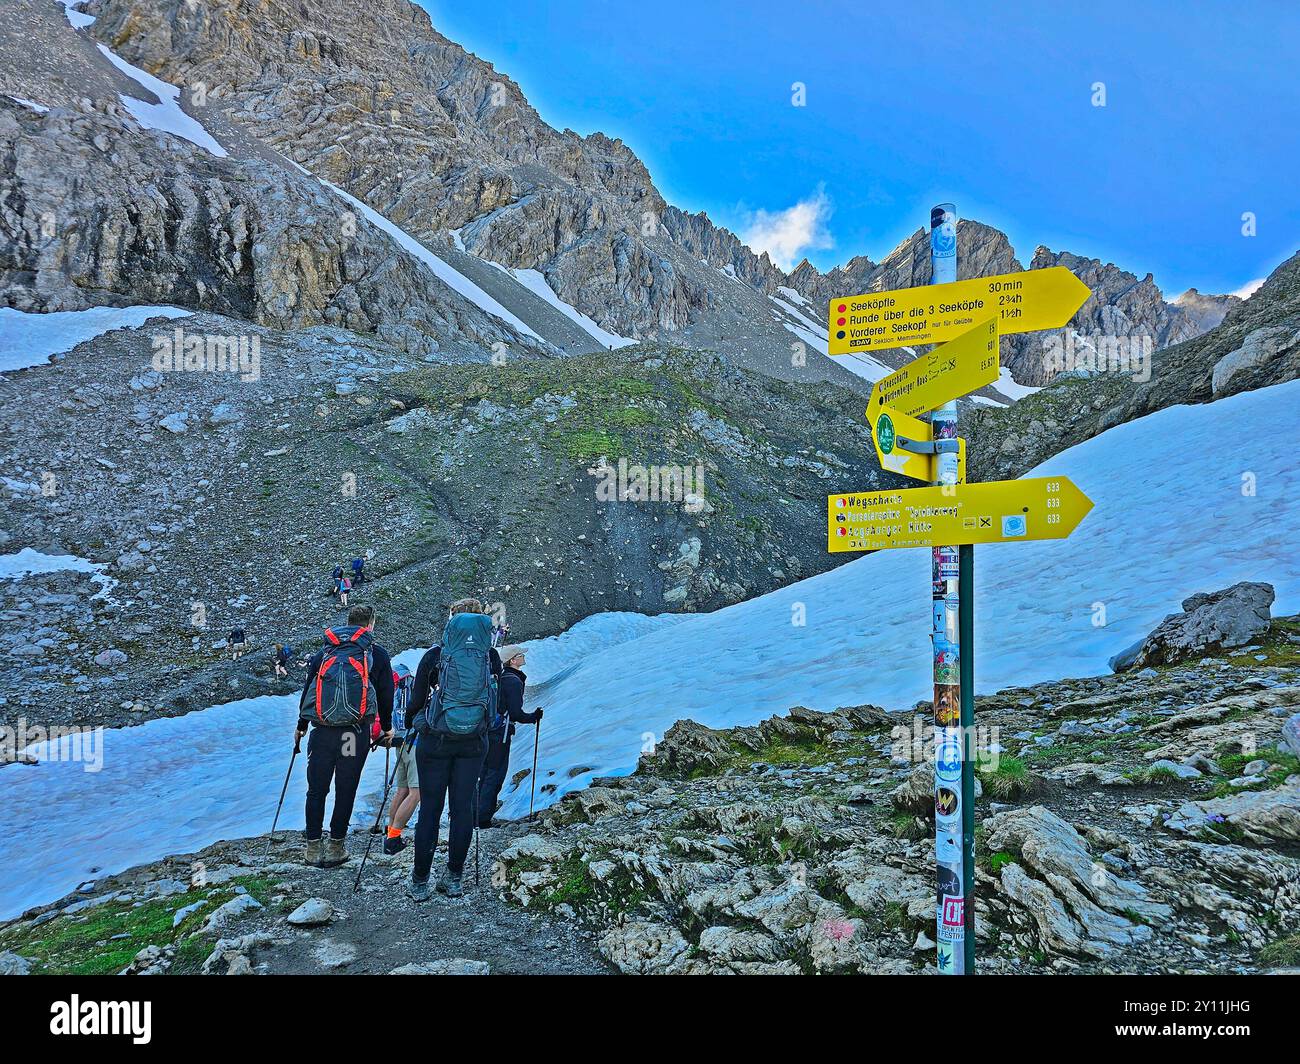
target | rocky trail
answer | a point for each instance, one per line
(252, 907)
(1147, 821)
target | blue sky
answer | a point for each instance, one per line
(912, 103)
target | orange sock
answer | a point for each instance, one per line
(394, 833)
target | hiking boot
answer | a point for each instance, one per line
(333, 853)
(418, 889)
(449, 884)
(312, 854)
(394, 844)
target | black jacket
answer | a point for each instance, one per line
(510, 699)
(381, 675)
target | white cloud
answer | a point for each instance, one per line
(787, 235)
(1248, 289)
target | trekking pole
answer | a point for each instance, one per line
(297, 743)
(374, 828)
(537, 739)
(356, 885)
(476, 874)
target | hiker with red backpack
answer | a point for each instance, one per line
(349, 691)
(452, 708)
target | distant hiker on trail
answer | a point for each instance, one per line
(235, 643)
(280, 658)
(406, 796)
(358, 574)
(342, 588)
(451, 723)
(349, 682)
(510, 711)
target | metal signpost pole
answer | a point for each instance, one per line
(950, 763)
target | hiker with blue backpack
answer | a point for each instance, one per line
(510, 711)
(349, 684)
(453, 706)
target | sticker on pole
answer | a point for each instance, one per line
(947, 758)
(895, 434)
(952, 919)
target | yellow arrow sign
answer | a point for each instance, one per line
(958, 368)
(1003, 511)
(1021, 302)
(892, 431)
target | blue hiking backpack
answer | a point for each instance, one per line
(466, 699)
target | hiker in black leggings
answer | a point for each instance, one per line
(448, 766)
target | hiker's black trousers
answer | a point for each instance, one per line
(449, 768)
(334, 755)
(495, 766)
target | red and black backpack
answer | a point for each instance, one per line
(343, 694)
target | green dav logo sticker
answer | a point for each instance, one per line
(885, 433)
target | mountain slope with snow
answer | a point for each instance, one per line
(1169, 520)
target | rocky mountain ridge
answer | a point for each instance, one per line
(448, 148)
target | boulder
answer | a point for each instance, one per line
(238, 906)
(728, 944)
(314, 912)
(1210, 623)
(688, 749)
(916, 794)
(13, 964)
(1073, 904)
(1257, 350)
(1270, 817)
(1291, 734)
(641, 947)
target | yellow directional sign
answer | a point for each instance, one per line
(1003, 511)
(1021, 302)
(958, 368)
(892, 431)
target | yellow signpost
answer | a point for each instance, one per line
(966, 318)
(1020, 302)
(1002, 511)
(958, 368)
(896, 435)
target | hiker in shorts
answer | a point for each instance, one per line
(235, 643)
(406, 780)
(280, 658)
(452, 707)
(510, 711)
(342, 589)
(349, 682)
